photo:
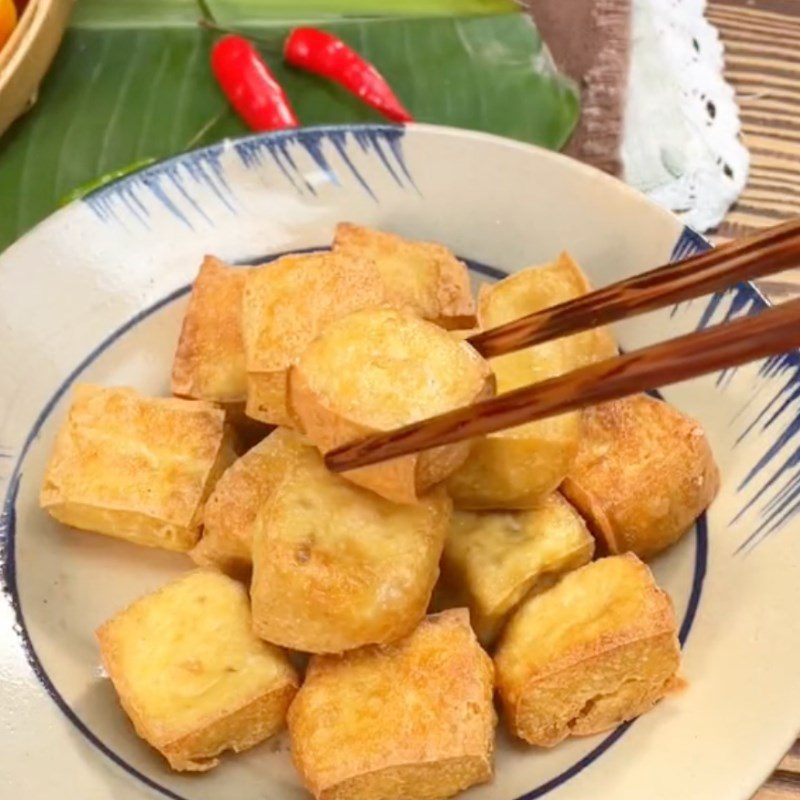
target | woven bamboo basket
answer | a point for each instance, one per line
(26, 56)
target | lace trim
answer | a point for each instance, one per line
(681, 128)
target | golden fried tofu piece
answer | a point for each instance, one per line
(336, 567)
(535, 288)
(242, 491)
(494, 559)
(137, 468)
(266, 398)
(423, 275)
(516, 468)
(413, 720)
(643, 474)
(597, 649)
(191, 674)
(209, 362)
(378, 369)
(286, 304)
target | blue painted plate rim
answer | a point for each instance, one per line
(161, 165)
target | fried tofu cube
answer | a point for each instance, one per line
(596, 650)
(191, 675)
(517, 468)
(423, 275)
(413, 720)
(286, 304)
(493, 560)
(378, 369)
(209, 362)
(644, 472)
(137, 468)
(534, 288)
(239, 495)
(336, 566)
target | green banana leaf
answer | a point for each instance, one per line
(123, 13)
(131, 81)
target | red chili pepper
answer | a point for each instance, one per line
(326, 55)
(250, 86)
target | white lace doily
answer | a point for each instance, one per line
(680, 141)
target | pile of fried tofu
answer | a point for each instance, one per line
(512, 565)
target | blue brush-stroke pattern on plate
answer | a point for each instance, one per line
(771, 487)
(333, 150)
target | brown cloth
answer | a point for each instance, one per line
(590, 41)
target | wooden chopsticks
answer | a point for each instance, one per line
(773, 331)
(748, 258)
(768, 333)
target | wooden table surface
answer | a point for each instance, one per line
(762, 62)
(762, 58)
(784, 783)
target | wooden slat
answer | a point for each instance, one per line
(781, 786)
(756, 91)
(766, 202)
(776, 162)
(762, 56)
(761, 48)
(765, 102)
(745, 222)
(752, 117)
(745, 33)
(766, 181)
(791, 761)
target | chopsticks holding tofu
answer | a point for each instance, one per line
(732, 344)
(748, 258)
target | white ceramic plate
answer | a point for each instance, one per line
(97, 292)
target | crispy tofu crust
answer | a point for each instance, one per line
(193, 678)
(594, 345)
(409, 721)
(378, 369)
(136, 468)
(239, 495)
(286, 304)
(541, 286)
(266, 398)
(493, 560)
(597, 649)
(422, 275)
(209, 362)
(517, 468)
(336, 567)
(644, 472)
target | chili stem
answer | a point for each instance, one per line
(207, 126)
(270, 46)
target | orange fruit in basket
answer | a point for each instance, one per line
(8, 19)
